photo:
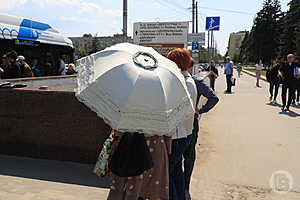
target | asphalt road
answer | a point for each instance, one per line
(243, 141)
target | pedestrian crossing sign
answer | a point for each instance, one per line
(212, 23)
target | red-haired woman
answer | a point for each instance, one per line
(180, 139)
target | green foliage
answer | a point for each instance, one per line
(290, 37)
(263, 41)
(236, 58)
(91, 47)
(95, 45)
(274, 33)
(81, 52)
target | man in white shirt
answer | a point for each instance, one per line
(259, 67)
(62, 67)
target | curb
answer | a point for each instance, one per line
(254, 75)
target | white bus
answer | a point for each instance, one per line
(36, 41)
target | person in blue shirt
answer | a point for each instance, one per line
(190, 153)
(35, 70)
(229, 73)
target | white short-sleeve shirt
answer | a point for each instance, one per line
(186, 127)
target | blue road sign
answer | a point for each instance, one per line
(195, 46)
(212, 23)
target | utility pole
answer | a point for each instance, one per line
(208, 44)
(193, 15)
(212, 44)
(197, 17)
(125, 15)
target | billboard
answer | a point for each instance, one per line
(160, 32)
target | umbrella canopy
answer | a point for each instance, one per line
(134, 89)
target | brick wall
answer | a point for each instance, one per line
(49, 124)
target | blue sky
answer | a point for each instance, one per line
(76, 17)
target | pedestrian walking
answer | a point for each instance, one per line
(181, 139)
(213, 74)
(274, 79)
(288, 74)
(190, 153)
(258, 67)
(239, 69)
(229, 74)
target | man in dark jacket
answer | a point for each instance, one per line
(274, 80)
(190, 153)
(14, 69)
(214, 73)
(287, 73)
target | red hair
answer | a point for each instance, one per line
(181, 57)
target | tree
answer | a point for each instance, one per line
(94, 45)
(81, 53)
(87, 35)
(290, 38)
(264, 39)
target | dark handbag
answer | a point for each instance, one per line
(132, 156)
(233, 81)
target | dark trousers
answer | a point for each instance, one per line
(288, 88)
(190, 155)
(176, 175)
(297, 91)
(274, 84)
(229, 82)
(212, 82)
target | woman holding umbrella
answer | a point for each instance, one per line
(140, 94)
(181, 139)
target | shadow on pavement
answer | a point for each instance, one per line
(273, 104)
(54, 171)
(229, 93)
(290, 113)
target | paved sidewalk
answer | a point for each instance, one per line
(34, 179)
(244, 140)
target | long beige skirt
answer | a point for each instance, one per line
(152, 184)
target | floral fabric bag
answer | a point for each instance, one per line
(101, 168)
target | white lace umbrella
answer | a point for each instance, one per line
(134, 89)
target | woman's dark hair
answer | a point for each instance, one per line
(12, 54)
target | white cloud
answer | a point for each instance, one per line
(10, 4)
(80, 7)
(83, 12)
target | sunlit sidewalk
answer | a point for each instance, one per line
(34, 179)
